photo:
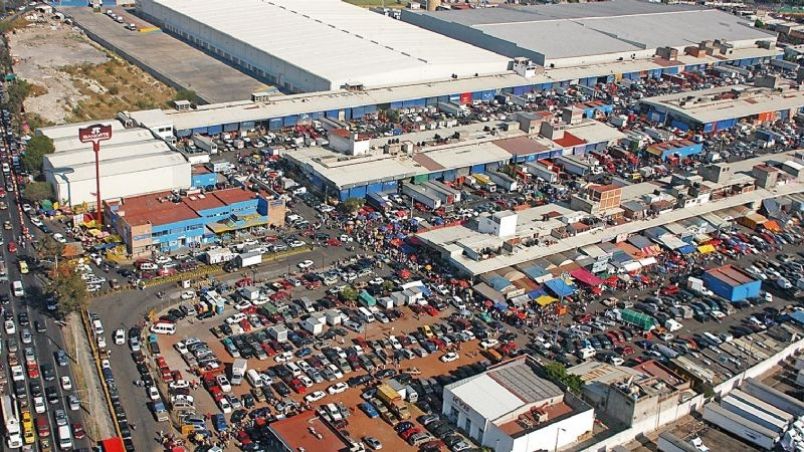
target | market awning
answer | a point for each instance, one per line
(559, 287)
(586, 277)
(706, 249)
(546, 300)
(489, 293)
(647, 262)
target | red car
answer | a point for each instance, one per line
(410, 432)
(33, 370)
(12, 247)
(42, 426)
(78, 431)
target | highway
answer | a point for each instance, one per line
(44, 344)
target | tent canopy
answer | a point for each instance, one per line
(559, 287)
(586, 277)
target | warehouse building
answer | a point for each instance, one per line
(601, 32)
(168, 221)
(132, 163)
(320, 45)
(510, 408)
(723, 107)
(731, 283)
(675, 149)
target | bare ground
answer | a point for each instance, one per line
(80, 80)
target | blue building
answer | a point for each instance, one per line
(167, 221)
(201, 177)
(731, 283)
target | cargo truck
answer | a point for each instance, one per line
(239, 368)
(244, 260)
(205, 143)
(485, 182)
(393, 400)
(740, 426)
(669, 442)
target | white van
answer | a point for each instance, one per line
(365, 315)
(672, 325)
(163, 328)
(458, 303)
(19, 291)
(254, 378)
(293, 368)
(65, 438)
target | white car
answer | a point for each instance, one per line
(486, 344)
(101, 342)
(36, 222)
(26, 208)
(119, 337)
(305, 264)
(179, 384)
(296, 244)
(187, 295)
(153, 393)
(314, 396)
(10, 327)
(59, 238)
(243, 305)
(338, 388)
(236, 318)
(449, 357)
(224, 405)
(346, 238)
(223, 382)
(324, 208)
(163, 260)
(66, 384)
(39, 405)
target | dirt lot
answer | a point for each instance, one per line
(360, 424)
(74, 79)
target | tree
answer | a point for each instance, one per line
(348, 293)
(38, 191)
(387, 285)
(187, 94)
(48, 247)
(352, 205)
(35, 151)
(70, 289)
(557, 373)
(759, 24)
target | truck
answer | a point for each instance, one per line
(244, 260)
(205, 143)
(485, 182)
(537, 169)
(3, 271)
(218, 256)
(11, 423)
(697, 285)
(753, 414)
(393, 401)
(453, 109)
(159, 411)
(239, 368)
(740, 426)
(669, 442)
(503, 180)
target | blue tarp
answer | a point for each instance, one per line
(559, 287)
(798, 317)
(534, 271)
(499, 283)
(688, 249)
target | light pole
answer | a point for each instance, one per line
(558, 430)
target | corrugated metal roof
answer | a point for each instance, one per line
(329, 38)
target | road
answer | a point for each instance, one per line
(45, 344)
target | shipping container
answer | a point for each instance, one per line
(740, 427)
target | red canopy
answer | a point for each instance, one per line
(586, 277)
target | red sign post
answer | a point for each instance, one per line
(95, 134)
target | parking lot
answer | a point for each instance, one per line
(361, 302)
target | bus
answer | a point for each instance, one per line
(11, 423)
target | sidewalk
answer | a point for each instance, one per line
(90, 392)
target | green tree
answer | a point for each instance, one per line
(188, 94)
(48, 247)
(348, 293)
(759, 24)
(352, 205)
(38, 191)
(35, 151)
(387, 285)
(70, 290)
(557, 373)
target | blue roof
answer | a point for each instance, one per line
(498, 282)
(559, 287)
(534, 271)
(798, 316)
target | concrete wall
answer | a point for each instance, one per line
(694, 404)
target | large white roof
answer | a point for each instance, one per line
(127, 165)
(130, 151)
(488, 397)
(337, 41)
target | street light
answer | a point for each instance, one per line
(558, 430)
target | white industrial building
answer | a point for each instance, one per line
(320, 45)
(510, 408)
(575, 34)
(132, 163)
